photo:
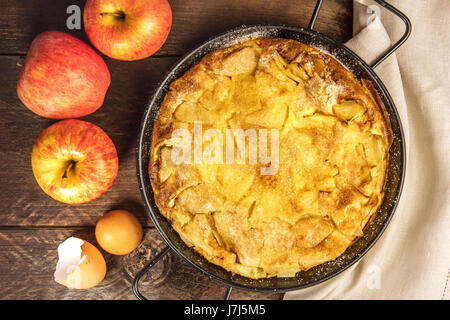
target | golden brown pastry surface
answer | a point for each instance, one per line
(333, 153)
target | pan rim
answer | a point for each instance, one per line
(141, 169)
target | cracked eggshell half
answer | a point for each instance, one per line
(80, 264)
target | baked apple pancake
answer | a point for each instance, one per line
(269, 157)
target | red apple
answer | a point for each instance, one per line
(62, 77)
(127, 29)
(74, 161)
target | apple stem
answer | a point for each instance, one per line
(118, 15)
(69, 167)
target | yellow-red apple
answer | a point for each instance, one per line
(62, 77)
(74, 161)
(127, 29)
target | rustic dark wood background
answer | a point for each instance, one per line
(32, 224)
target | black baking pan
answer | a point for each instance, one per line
(396, 169)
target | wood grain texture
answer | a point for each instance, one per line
(28, 259)
(23, 202)
(32, 224)
(194, 21)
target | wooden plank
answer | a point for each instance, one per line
(29, 258)
(194, 21)
(29, 255)
(23, 203)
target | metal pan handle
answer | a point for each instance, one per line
(144, 270)
(149, 265)
(387, 6)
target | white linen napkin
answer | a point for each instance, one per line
(411, 260)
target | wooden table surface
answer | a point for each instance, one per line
(32, 224)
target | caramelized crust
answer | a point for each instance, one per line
(333, 153)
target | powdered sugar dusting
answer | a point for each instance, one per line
(396, 163)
